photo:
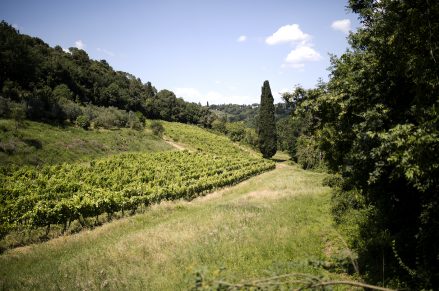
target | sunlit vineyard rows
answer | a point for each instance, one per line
(59, 194)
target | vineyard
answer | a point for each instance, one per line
(38, 197)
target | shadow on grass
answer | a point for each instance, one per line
(33, 143)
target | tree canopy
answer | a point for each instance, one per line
(47, 80)
(376, 123)
(267, 137)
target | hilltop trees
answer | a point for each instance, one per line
(266, 124)
(57, 85)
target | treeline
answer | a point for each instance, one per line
(240, 122)
(48, 84)
(247, 113)
(375, 125)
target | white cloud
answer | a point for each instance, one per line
(79, 44)
(242, 38)
(302, 54)
(288, 33)
(16, 26)
(107, 52)
(66, 50)
(343, 25)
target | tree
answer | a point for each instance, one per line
(381, 134)
(267, 124)
(18, 113)
(157, 128)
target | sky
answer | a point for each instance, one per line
(203, 50)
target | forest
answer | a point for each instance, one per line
(372, 129)
(52, 85)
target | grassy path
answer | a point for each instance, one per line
(272, 223)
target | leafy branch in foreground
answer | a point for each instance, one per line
(292, 281)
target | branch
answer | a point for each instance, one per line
(351, 283)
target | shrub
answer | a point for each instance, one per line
(157, 128)
(134, 121)
(110, 117)
(308, 153)
(70, 109)
(235, 130)
(5, 109)
(219, 125)
(18, 113)
(83, 121)
(251, 137)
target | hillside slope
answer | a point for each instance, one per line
(50, 200)
(276, 223)
(37, 143)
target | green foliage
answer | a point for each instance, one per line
(235, 130)
(53, 84)
(83, 121)
(266, 123)
(251, 137)
(246, 113)
(157, 128)
(62, 91)
(38, 197)
(135, 121)
(40, 144)
(219, 125)
(308, 154)
(378, 123)
(110, 117)
(301, 134)
(18, 113)
(70, 109)
(287, 134)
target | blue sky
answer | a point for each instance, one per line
(203, 50)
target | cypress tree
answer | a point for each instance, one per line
(266, 123)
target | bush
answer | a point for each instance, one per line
(70, 109)
(4, 107)
(251, 137)
(135, 120)
(18, 113)
(219, 125)
(157, 128)
(110, 117)
(83, 121)
(235, 130)
(308, 153)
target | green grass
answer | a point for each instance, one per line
(273, 223)
(38, 143)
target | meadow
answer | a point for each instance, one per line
(276, 223)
